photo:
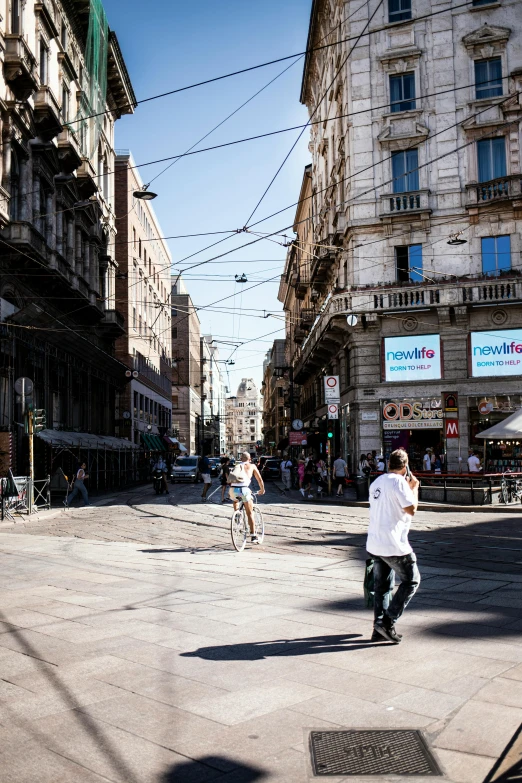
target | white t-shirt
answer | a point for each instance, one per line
(380, 465)
(473, 464)
(389, 525)
(340, 467)
(426, 461)
(286, 464)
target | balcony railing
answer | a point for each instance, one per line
(397, 203)
(493, 190)
(422, 296)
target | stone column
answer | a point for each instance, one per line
(86, 260)
(69, 241)
(50, 221)
(36, 201)
(78, 251)
(94, 269)
(59, 229)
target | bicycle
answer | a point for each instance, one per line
(239, 529)
(511, 490)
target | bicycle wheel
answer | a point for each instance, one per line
(259, 525)
(504, 493)
(238, 529)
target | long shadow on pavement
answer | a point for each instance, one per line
(257, 651)
(191, 771)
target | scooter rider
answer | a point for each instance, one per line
(160, 464)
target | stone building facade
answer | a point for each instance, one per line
(212, 436)
(186, 367)
(415, 215)
(61, 64)
(275, 390)
(244, 419)
(143, 297)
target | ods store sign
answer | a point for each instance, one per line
(412, 358)
(496, 353)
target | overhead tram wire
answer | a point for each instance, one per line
(253, 138)
(318, 104)
(305, 52)
(341, 203)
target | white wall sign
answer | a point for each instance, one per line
(331, 388)
(369, 416)
(496, 353)
(415, 358)
(333, 411)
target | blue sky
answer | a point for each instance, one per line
(171, 44)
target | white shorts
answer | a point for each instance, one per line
(240, 493)
(206, 478)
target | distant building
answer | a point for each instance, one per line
(213, 400)
(244, 416)
(276, 421)
(143, 296)
(186, 367)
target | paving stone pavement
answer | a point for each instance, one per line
(137, 646)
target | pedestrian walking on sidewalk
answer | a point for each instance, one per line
(79, 486)
(286, 472)
(394, 497)
(340, 469)
(204, 469)
(223, 479)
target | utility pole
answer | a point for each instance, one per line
(30, 429)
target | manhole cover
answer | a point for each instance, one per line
(361, 752)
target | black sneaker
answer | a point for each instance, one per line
(254, 540)
(377, 637)
(390, 634)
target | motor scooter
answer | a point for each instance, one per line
(157, 481)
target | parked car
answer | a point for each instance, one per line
(271, 469)
(185, 469)
(215, 466)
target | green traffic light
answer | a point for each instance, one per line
(330, 434)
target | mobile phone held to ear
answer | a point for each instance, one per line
(408, 472)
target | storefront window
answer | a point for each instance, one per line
(414, 425)
(486, 412)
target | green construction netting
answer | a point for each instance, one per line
(89, 119)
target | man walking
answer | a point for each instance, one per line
(286, 473)
(394, 497)
(339, 471)
(204, 469)
(79, 486)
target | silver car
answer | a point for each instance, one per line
(185, 469)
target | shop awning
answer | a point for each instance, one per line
(509, 429)
(152, 442)
(175, 442)
(84, 440)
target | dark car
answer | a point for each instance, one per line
(271, 469)
(215, 466)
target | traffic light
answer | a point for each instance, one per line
(39, 419)
(330, 434)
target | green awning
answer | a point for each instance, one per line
(158, 443)
(152, 442)
(145, 439)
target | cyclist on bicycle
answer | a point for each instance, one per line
(239, 480)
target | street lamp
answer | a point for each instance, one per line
(144, 194)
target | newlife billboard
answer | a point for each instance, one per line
(416, 358)
(496, 353)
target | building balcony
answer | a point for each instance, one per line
(19, 67)
(500, 189)
(322, 265)
(86, 178)
(420, 297)
(46, 114)
(69, 153)
(414, 202)
(113, 324)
